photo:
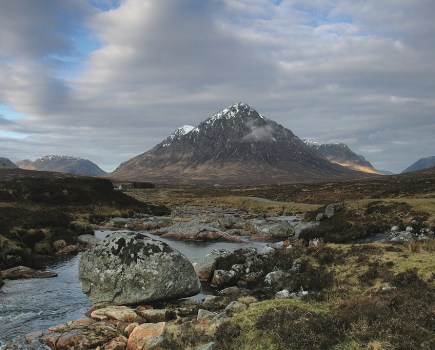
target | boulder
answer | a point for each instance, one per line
(333, 208)
(206, 265)
(147, 336)
(222, 278)
(279, 230)
(132, 268)
(275, 277)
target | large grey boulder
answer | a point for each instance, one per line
(131, 268)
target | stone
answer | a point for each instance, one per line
(268, 250)
(279, 230)
(69, 249)
(32, 337)
(409, 229)
(222, 278)
(131, 268)
(205, 314)
(80, 323)
(119, 343)
(129, 328)
(120, 313)
(275, 277)
(315, 242)
(333, 208)
(25, 272)
(156, 315)
(283, 294)
(235, 307)
(147, 336)
(394, 229)
(228, 221)
(88, 240)
(320, 217)
(206, 265)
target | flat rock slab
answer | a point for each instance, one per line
(25, 272)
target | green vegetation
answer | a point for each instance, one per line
(381, 297)
(39, 208)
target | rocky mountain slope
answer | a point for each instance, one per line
(235, 146)
(5, 163)
(423, 163)
(62, 164)
(340, 153)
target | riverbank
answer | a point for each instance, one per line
(43, 213)
(325, 296)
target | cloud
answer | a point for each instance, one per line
(109, 79)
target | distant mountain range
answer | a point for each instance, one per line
(62, 164)
(340, 153)
(5, 163)
(235, 146)
(423, 163)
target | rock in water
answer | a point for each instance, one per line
(131, 268)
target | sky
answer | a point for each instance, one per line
(106, 80)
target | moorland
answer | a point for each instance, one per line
(340, 294)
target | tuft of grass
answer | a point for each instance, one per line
(423, 246)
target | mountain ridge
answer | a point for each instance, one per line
(6, 163)
(421, 164)
(63, 164)
(340, 153)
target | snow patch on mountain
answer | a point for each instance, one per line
(181, 131)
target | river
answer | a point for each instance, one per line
(30, 305)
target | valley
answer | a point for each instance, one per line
(300, 264)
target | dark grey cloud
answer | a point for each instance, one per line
(359, 72)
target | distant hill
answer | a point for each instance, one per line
(423, 163)
(62, 164)
(235, 146)
(5, 163)
(340, 153)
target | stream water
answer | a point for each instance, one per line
(30, 305)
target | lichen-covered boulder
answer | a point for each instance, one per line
(130, 268)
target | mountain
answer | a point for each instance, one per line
(423, 163)
(5, 163)
(235, 146)
(340, 153)
(62, 164)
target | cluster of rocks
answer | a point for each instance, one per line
(411, 232)
(141, 327)
(215, 224)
